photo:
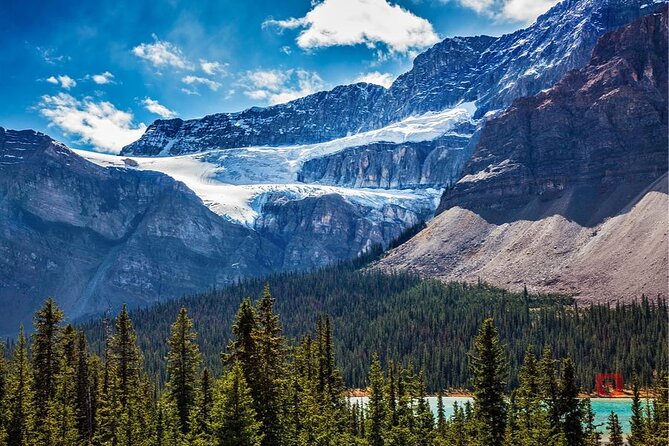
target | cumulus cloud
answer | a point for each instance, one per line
(162, 54)
(516, 10)
(195, 80)
(352, 22)
(64, 81)
(103, 78)
(212, 68)
(99, 124)
(375, 77)
(279, 86)
(159, 109)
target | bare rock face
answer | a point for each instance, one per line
(437, 163)
(567, 190)
(95, 238)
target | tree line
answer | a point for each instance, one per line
(274, 392)
(429, 323)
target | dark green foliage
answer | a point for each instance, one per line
(430, 323)
(569, 405)
(615, 431)
(183, 363)
(489, 374)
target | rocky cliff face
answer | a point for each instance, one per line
(437, 163)
(490, 71)
(567, 190)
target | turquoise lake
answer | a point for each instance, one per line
(601, 406)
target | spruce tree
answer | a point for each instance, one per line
(636, 437)
(615, 431)
(243, 349)
(592, 436)
(489, 373)
(268, 387)
(376, 410)
(183, 363)
(84, 392)
(233, 416)
(46, 356)
(533, 424)
(125, 358)
(570, 405)
(441, 415)
(20, 399)
(549, 389)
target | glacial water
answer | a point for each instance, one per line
(601, 406)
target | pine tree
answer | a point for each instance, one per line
(85, 392)
(376, 410)
(21, 399)
(661, 409)
(243, 349)
(592, 436)
(549, 389)
(615, 431)
(636, 437)
(45, 356)
(183, 363)
(125, 358)
(533, 424)
(570, 406)
(201, 415)
(441, 415)
(233, 417)
(267, 389)
(489, 372)
(424, 430)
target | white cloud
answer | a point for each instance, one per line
(190, 92)
(100, 124)
(212, 68)
(159, 109)
(103, 78)
(352, 22)
(375, 77)
(279, 86)
(64, 81)
(194, 80)
(161, 53)
(515, 10)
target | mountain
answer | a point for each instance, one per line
(95, 237)
(491, 71)
(566, 190)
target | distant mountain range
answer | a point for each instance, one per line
(202, 203)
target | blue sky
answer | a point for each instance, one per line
(94, 74)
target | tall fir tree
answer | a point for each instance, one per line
(183, 363)
(570, 405)
(615, 430)
(46, 356)
(636, 437)
(549, 389)
(376, 407)
(489, 373)
(20, 398)
(234, 417)
(591, 434)
(268, 388)
(85, 392)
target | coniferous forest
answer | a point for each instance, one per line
(54, 391)
(424, 322)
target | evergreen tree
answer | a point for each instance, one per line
(201, 416)
(20, 399)
(376, 414)
(183, 363)
(45, 356)
(660, 421)
(441, 415)
(533, 424)
(85, 389)
(267, 389)
(3, 395)
(592, 436)
(549, 389)
(233, 416)
(615, 431)
(570, 406)
(125, 358)
(489, 373)
(636, 437)
(243, 349)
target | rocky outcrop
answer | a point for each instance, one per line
(95, 238)
(320, 231)
(492, 71)
(567, 190)
(437, 163)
